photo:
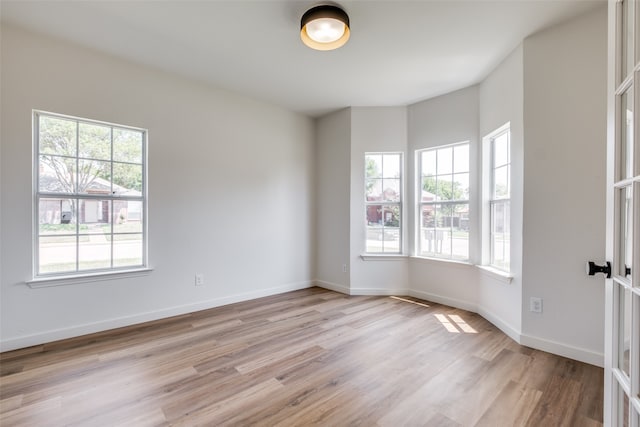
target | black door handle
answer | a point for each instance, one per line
(592, 269)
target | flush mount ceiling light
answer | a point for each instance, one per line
(324, 27)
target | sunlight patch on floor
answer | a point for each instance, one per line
(455, 324)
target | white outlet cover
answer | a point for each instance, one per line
(535, 305)
(199, 280)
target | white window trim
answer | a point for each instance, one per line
(368, 256)
(496, 274)
(383, 257)
(489, 201)
(418, 206)
(47, 282)
(56, 279)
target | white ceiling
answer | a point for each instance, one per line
(400, 52)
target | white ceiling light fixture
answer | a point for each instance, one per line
(324, 27)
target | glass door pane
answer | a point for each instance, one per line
(624, 328)
(622, 410)
(625, 147)
(626, 39)
(625, 240)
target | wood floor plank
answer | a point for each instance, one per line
(558, 403)
(512, 407)
(308, 357)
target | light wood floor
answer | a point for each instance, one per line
(301, 358)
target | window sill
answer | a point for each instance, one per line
(45, 282)
(387, 257)
(494, 273)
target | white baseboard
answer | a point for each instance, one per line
(332, 286)
(499, 323)
(560, 349)
(576, 353)
(451, 302)
(581, 354)
(380, 292)
(360, 291)
(90, 328)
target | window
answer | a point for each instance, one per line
(500, 202)
(383, 202)
(443, 203)
(90, 196)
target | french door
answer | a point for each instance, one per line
(622, 328)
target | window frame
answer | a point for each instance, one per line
(78, 196)
(399, 204)
(420, 203)
(495, 201)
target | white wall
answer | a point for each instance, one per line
(501, 101)
(564, 182)
(333, 166)
(374, 129)
(231, 191)
(439, 121)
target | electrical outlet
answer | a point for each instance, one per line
(199, 279)
(344, 268)
(535, 304)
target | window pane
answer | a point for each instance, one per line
(374, 215)
(501, 150)
(392, 240)
(461, 186)
(127, 145)
(94, 217)
(431, 233)
(624, 344)
(127, 216)
(56, 254)
(94, 141)
(429, 189)
(627, 38)
(459, 222)
(444, 187)
(373, 166)
(57, 136)
(391, 216)
(622, 407)
(57, 174)
(374, 239)
(373, 189)
(626, 135)
(127, 179)
(94, 252)
(445, 160)
(391, 166)
(427, 228)
(444, 231)
(383, 228)
(460, 244)
(127, 250)
(428, 163)
(56, 216)
(461, 158)
(625, 240)
(501, 182)
(428, 215)
(501, 235)
(93, 177)
(391, 190)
